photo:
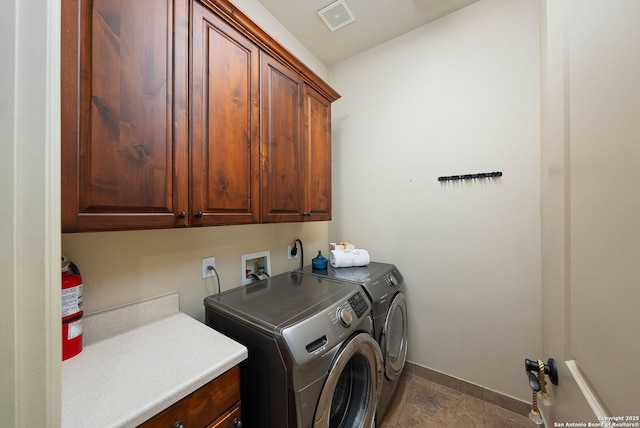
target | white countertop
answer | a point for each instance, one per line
(123, 377)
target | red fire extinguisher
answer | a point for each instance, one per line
(71, 310)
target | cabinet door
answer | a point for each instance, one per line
(316, 155)
(213, 403)
(225, 123)
(124, 115)
(280, 148)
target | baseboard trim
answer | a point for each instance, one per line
(479, 392)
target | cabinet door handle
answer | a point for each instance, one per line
(305, 214)
(199, 214)
(182, 214)
(237, 423)
(178, 424)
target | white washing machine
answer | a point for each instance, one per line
(384, 286)
(312, 359)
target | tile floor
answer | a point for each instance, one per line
(425, 404)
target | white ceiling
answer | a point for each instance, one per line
(377, 21)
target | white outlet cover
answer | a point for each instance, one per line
(206, 262)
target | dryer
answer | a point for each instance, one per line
(384, 285)
(312, 358)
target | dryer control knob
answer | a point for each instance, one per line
(344, 316)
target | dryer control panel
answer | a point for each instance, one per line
(359, 304)
(391, 280)
(318, 334)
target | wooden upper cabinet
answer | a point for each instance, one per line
(295, 147)
(185, 113)
(124, 114)
(224, 123)
(316, 155)
(280, 149)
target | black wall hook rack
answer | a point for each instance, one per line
(470, 176)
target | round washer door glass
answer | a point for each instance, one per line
(394, 337)
(351, 390)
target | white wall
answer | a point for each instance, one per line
(266, 21)
(590, 205)
(30, 345)
(460, 95)
(124, 267)
(569, 403)
(454, 312)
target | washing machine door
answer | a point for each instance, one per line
(393, 340)
(352, 387)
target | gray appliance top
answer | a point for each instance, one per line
(282, 300)
(380, 280)
(360, 274)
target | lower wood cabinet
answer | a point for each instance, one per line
(215, 405)
(231, 419)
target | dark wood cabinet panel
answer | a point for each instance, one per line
(185, 113)
(124, 114)
(280, 149)
(232, 419)
(316, 155)
(225, 122)
(215, 404)
(295, 147)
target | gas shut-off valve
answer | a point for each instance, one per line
(536, 371)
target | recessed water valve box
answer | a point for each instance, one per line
(255, 267)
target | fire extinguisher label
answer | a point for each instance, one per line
(74, 329)
(71, 300)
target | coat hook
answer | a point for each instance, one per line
(471, 176)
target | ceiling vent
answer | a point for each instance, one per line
(336, 15)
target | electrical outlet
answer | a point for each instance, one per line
(206, 262)
(289, 256)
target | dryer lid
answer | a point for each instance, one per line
(281, 300)
(360, 274)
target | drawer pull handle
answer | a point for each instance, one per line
(178, 424)
(237, 423)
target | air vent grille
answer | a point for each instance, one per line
(336, 15)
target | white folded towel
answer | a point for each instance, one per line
(349, 258)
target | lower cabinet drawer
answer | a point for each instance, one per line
(229, 420)
(205, 407)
